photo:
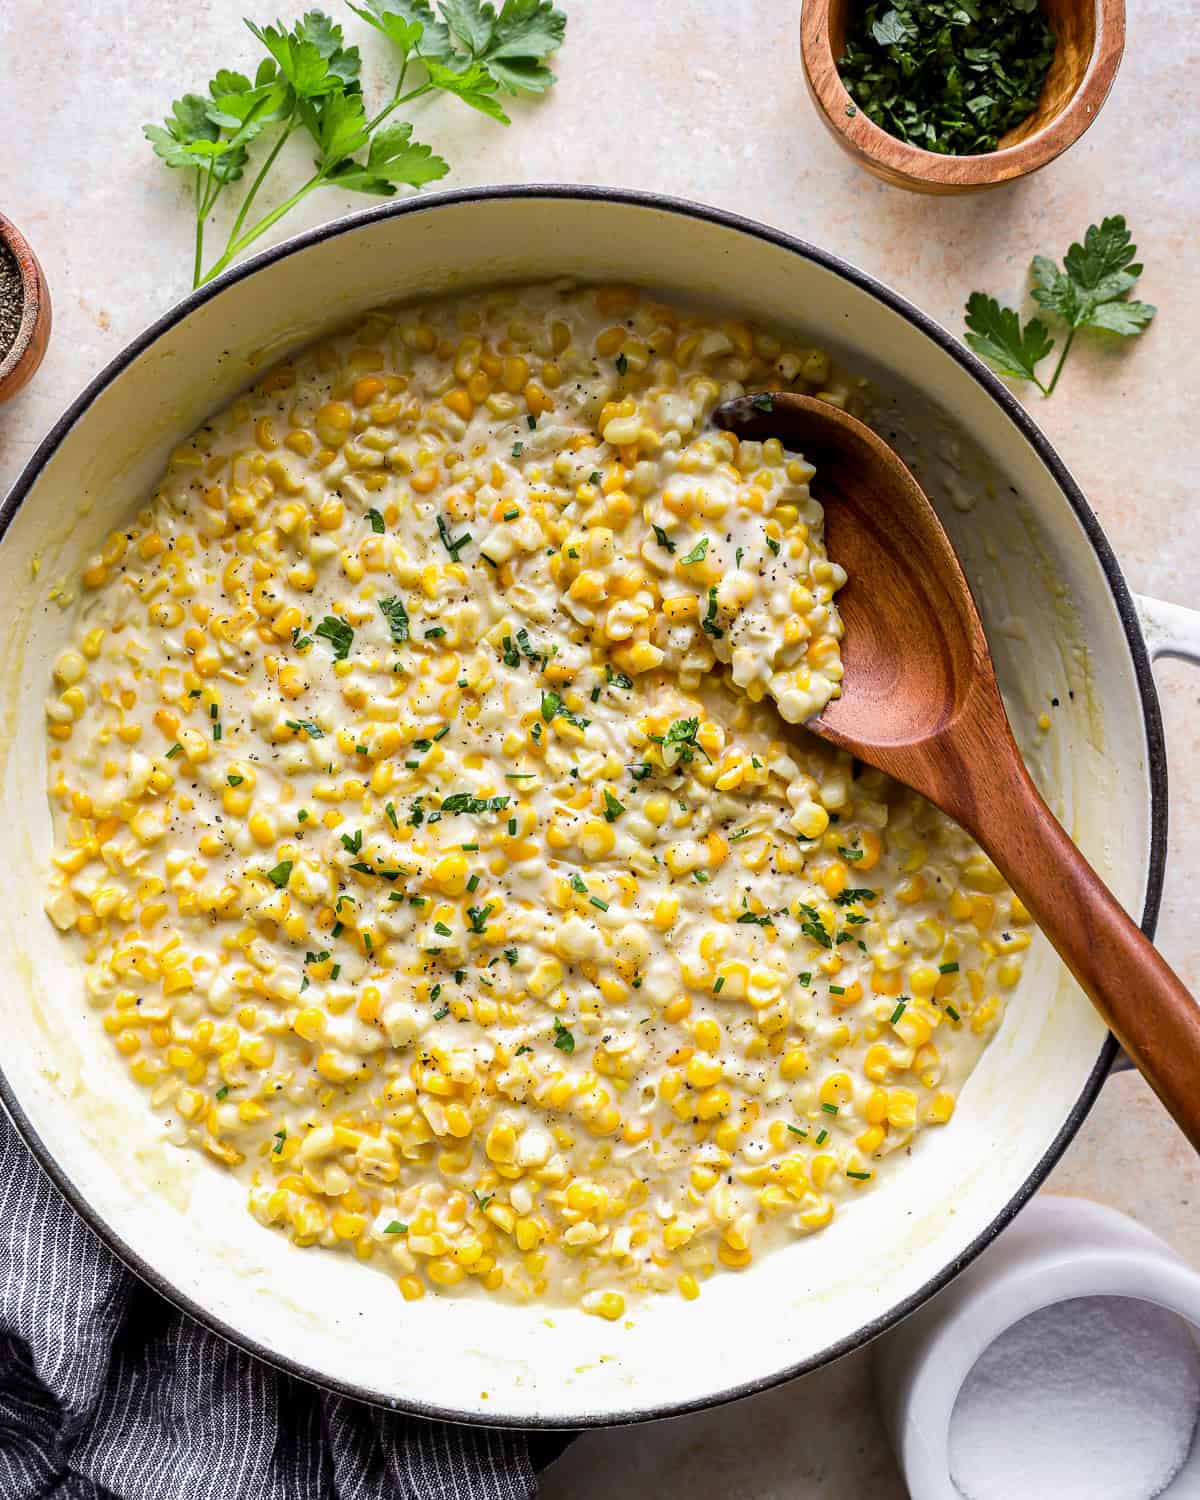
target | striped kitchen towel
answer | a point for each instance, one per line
(108, 1393)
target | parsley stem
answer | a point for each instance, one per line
(1066, 349)
(398, 100)
(264, 224)
(198, 260)
(284, 134)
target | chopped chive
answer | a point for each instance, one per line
(830, 1109)
(473, 884)
(948, 968)
(178, 750)
(822, 1137)
(901, 1007)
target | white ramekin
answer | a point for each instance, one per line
(1057, 1249)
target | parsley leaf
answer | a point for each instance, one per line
(563, 1039)
(996, 335)
(339, 635)
(1089, 290)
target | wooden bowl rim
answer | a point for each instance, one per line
(34, 294)
(858, 133)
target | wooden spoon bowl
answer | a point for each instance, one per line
(1091, 39)
(19, 364)
(919, 701)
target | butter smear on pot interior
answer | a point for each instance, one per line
(435, 831)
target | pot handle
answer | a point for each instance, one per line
(1170, 630)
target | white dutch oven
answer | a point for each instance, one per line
(1062, 624)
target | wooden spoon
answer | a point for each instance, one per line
(920, 702)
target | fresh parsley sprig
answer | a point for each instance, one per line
(1090, 291)
(309, 82)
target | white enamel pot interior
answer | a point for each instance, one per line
(1061, 623)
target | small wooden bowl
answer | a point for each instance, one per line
(25, 354)
(1091, 38)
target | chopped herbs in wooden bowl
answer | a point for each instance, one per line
(951, 76)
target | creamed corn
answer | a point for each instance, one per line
(432, 828)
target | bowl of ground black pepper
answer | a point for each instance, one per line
(24, 311)
(951, 96)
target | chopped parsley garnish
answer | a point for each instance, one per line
(281, 873)
(612, 808)
(339, 635)
(850, 895)
(306, 726)
(640, 773)
(523, 1048)
(763, 401)
(465, 802)
(698, 553)
(301, 642)
(750, 919)
(682, 735)
(554, 708)
(563, 1039)
(223, 1092)
(709, 622)
(376, 521)
(435, 633)
(595, 477)
(773, 543)
(616, 679)
(663, 540)
(394, 612)
(850, 854)
(451, 546)
(395, 1227)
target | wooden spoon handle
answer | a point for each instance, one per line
(1140, 997)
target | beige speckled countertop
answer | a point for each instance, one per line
(706, 100)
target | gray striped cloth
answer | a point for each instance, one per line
(108, 1393)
